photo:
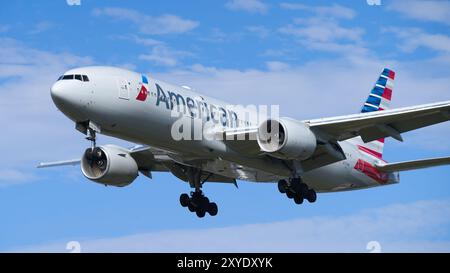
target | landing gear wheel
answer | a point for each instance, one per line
(205, 202)
(298, 199)
(290, 194)
(200, 212)
(311, 196)
(282, 186)
(301, 188)
(191, 207)
(184, 200)
(212, 209)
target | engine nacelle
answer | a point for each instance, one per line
(109, 165)
(286, 139)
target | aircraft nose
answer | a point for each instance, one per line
(57, 93)
(64, 97)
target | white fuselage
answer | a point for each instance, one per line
(109, 99)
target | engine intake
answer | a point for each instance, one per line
(109, 165)
(286, 139)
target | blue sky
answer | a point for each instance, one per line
(314, 59)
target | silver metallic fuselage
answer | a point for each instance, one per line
(104, 101)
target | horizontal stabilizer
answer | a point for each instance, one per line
(413, 165)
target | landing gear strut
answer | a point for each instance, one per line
(92, 137)
(297, 190)
(95, 155)
(197, 202)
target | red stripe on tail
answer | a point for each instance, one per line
(387, 94)
(370, 151)
(372, 172)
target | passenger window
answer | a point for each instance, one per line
(67, 77)
(85, 78)
(78, 77)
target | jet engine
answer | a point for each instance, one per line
(109, 165)
(286, 139)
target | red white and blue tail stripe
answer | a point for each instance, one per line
(381, 94)
(379, 99)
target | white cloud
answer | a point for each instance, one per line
(9, 177)
(430, 10)
(277, 66)
(36, 130)
(416, 227)
(163, 55)
(158, 52)
(322, 34)
(218, 36)
(322, 31)
(252, 6)
(138, 39)
(293, 6)
(26, 75)
(260, 31)
(163, 24)
(336, 11)
(41, 27)
(414, 38)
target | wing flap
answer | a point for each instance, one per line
(242, 140)
(413, 165)
(149, 159)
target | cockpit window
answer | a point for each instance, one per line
(83, 78)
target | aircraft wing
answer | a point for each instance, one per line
(413, 165)
(71, 162)
(380, 124)
(149, 160)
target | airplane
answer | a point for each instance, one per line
(304, 157)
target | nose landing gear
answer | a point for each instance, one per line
(297, 190)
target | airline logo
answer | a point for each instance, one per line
(195, 107)
(143, 92)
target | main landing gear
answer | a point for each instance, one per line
(297, 190)
(197, 202)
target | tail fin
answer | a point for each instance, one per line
(379, 99)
